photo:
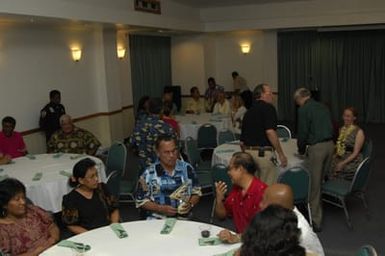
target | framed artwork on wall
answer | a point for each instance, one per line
(152, 6)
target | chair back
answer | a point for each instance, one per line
(207, 136)
(113, 183)
(116, 159)
(367, 148)
(219, 173)
(299, 181)
(192, 151)
(361, 176)
(283, 131)
(367, 250)
(225, 136)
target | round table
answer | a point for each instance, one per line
(144, 238)
(223, 153)
(47, 192)
(190, 123)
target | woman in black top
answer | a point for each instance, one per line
(89, 205)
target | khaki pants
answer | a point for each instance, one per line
(318, 161)
(268, 170)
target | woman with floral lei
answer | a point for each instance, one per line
(348, 148)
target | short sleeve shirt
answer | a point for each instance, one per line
(13, 146)
(242, 208)
(260, 117)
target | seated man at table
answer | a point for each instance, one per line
(195, 105)
(146, 132)
(282, 195)
(169, 187)
(223, 105)
(72, 139)
(11, 142)
(242, 203)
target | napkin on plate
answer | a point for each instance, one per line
(80, 247)
(65, 173)
(119, 231)
(228, 253)
(209, 241)
(37, 176)
(168, 226)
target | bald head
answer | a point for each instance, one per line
(278, 194)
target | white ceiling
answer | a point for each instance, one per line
(219, 3)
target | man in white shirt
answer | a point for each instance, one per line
(223, 105)
(281, 194)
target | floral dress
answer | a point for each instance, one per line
(345, 147)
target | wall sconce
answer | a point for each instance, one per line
(245, 48)
(76, 54)
(121, 52)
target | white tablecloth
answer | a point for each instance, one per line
(144, 238)
(190, 123)
(49, 190)
(223, 153)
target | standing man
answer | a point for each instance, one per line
(259, 137)
(315, 130)
(50, 114)
(239, 83)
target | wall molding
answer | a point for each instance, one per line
(82, 118)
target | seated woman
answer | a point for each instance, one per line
(89, 205)
(348, 148)
(273, 232)
(142, 111)
(238, 110)
(25, 229)
(222, 106)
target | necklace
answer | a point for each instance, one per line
(344, 133)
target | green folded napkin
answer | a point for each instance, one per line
(37, 176)
(57, 155)
(65, 173)
(119, 231)
(209, 241)
(226, 151)
(228, 253)
(31, 157)
(1, 169)
(168, 226)
(3, 177)
(80, 247)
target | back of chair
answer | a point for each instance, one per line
(367, 148)
(225, 136)
(219, 173)
(192, 151)
(367, 250)
(116, 160)
(283, 131)
(299, 181)
(361, 176)
(113, 183)
(207, 136)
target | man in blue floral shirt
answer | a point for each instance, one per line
(147, 131)
(169, 187)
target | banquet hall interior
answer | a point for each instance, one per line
(104, 55)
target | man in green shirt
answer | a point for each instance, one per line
(315, 131)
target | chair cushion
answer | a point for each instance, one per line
(336, 187)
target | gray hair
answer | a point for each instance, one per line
(64, 118)
(302, 93)
(258, 90)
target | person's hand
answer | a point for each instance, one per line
(283, 160)
(339, 167)
(5, 159)
(168, 210)
(184, 208)
(228, 237)
(220, 190)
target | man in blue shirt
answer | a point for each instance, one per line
(169, 187)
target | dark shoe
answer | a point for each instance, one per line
(316, 228)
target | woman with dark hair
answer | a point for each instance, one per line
(89, 205)
(349, 144)
(143, 108)
(25, 229)
(273, 232)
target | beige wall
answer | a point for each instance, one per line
(197, 57)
